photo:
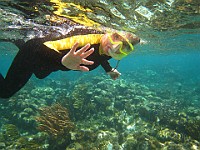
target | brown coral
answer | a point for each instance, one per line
(54, 120)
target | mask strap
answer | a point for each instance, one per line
(117, 64)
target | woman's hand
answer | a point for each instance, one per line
(74, 58)
(114, 74)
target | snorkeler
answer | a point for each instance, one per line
(42, 56)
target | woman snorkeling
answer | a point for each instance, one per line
(80, 49)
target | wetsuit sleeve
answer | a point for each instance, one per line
(106, 66)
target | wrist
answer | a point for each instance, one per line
(109, 72)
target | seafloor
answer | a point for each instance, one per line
(142, 110)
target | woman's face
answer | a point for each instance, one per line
(118, 45)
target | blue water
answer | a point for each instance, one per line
(153, 105)
(184, 59)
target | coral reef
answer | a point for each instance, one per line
(124, 114)
(54, 120)
(10, 132)
(10, 138)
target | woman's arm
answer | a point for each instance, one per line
(114, 74)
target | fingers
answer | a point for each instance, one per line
(83, 68)
(89, 52)
(75, 46)
(83, 49)
(87, 62)
(75, 59)
(114, 74)
(82, 52)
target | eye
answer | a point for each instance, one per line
(116, 37)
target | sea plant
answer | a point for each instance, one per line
(54, 120)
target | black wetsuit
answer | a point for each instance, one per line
(36, 58)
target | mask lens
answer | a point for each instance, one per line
(127, 47)
(114, 41)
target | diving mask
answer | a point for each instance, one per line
(123, 46)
